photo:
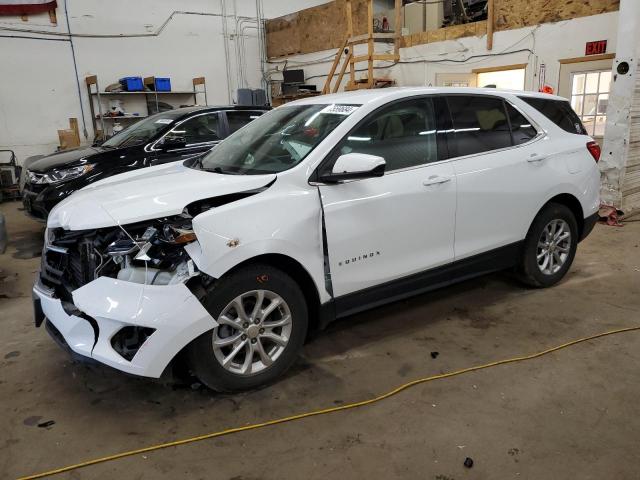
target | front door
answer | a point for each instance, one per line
(382, 229)
(190, 137)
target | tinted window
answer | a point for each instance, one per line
(404, 134)
(521, 129)
(480, 124)
(199, 129)
(559, 112)
(143, 131)
(237, 120)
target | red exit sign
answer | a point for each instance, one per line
(596, 48)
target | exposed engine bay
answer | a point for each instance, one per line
(150, 252)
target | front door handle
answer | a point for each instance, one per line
(536, 157)
(435, 180)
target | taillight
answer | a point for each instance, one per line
(594, 150)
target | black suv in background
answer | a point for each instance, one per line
(165, 137)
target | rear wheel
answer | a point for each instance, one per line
(550, 246)
(262, 323)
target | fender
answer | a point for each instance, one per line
(270, 222)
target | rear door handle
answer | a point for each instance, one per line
(435, 179)
(536, 157)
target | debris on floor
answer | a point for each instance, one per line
(468, 462)
(609, 215)
(435, 354)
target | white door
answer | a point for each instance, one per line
(385, 228)
(499, 177)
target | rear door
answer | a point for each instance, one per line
(193, 136)
(382, 229)
(501, 170)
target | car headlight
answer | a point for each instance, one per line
(159, 242)
(56, 176)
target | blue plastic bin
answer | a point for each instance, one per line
(132, 84)
(163, 84)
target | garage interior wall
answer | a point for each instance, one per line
(38, 91)
(546, 44)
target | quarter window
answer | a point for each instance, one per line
(480, 124)
(404, 134)
(559, 112)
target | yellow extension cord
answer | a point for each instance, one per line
(321, 412)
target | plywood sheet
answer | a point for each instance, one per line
(314, 29)
(521, 13)
(324, 27)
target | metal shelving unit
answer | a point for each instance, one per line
(93, 91)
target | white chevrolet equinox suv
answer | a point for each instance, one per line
(322, 208)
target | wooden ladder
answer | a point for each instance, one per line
(369, 38)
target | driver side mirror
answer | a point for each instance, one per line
(172, 143)
(355, 166)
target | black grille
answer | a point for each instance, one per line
(35, 187)
(68, 262)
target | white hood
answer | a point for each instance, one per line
(146, 194)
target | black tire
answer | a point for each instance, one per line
(530, 272)
(200, 353)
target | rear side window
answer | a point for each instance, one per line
(559, 112)
(480, 124)
(521, 129)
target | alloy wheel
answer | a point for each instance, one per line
(253, 330)
(554, 246)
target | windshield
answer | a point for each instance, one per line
(277, 141)
(142, 131)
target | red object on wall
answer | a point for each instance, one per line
(596, 48)
(21, 7)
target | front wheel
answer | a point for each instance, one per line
(550, 246)
(262, 323)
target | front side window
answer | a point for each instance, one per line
(404, 134)
(589, 98)
(480, 124)
(277, 141)
(199, 129)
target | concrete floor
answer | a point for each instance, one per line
(572, 414)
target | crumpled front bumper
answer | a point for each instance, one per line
(175, 314)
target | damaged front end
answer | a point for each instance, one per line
(115, 294)
(150, 253)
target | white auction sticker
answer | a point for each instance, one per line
(164, 121)
(339, 109)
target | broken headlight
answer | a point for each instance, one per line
(159, 242)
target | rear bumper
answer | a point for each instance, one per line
(104, 307)
(588, 225)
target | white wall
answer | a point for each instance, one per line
(38, 91)
(549, 42)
